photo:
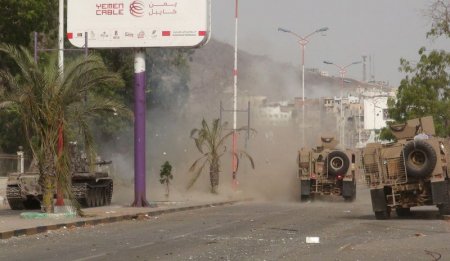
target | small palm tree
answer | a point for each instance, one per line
(165, 175)
(210, 143)
(47, 102)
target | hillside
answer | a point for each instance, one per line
(212, 77)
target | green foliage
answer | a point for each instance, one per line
(165, 175)
(386, 134)
(11, 134)
(425, 90)
(167, 69)
(47, 101)
(168, 75)
(18, 19)
(167, 72)
(439, 13)
(209, 141)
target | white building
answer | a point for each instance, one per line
(275, 113)
(375, 112)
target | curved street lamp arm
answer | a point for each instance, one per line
(353, 63)
(323, 29)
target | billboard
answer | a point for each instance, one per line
(138, 23)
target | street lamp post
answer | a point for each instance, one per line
(303, 41)
(342, 72)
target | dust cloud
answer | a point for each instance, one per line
(273, 147)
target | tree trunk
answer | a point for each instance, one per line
(214, 177)
(47, 182)
(48, 187)
(167, 190)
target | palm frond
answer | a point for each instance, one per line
(196, 176)
(22, 58)
(244, 153)
(194, 165)
(6, 104)
(199, 144)
(194, 132)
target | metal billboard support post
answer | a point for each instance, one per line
(139, 130)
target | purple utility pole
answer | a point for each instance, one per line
(139, 130)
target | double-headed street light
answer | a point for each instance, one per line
(342, 71)
(303, 41)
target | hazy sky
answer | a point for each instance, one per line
(386, 30)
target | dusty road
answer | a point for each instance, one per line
(249, 231)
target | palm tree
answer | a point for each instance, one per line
(210, 143)
(165, 175)
(48, 102)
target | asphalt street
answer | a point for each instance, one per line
(249, 230)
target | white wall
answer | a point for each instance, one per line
(373, 112)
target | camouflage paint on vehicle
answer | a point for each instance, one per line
(326, 170)
(409, 172)
(90, 188)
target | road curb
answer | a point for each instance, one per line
(92, 221)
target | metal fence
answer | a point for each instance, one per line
(384, 165)
(8, 163)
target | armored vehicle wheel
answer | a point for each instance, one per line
(420, 158)
(444, 208)
(16, 204)
(403, 212)
(349, 191)
(14, 198)
(337, 163)
(381, 215)
(102, 196)
(351, 198)
(109, 191)
(90, 197)
(304, 198)
(32, 204)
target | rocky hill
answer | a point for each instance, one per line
(212, 77)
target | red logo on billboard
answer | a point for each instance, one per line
(137, 8)
(165, 33)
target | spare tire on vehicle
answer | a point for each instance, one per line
(420, 158)
(337, 163)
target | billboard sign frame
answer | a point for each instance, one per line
(139, 23)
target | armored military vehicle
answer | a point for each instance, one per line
(90, 188)
(326, 170)
(409, 172)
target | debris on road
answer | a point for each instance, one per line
(312, 240)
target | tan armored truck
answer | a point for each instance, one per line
(409, 172)
(326, 170)
(90, 188)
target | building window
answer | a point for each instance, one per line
(385, 114)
